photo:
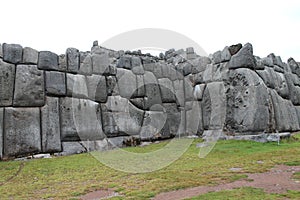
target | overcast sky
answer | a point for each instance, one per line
(271, 26)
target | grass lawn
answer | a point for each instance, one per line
(71, 176)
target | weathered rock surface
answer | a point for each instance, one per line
(12, 53)
(1, 131)
(48, 60)
(30, 56)
(80, 120)
(29, 86)
(76, 86)
(97, 89)
(50, 126)
(72, 60)
(24, 137)
(55, 83)
(127, 83)
(7, 81)
(243, 59)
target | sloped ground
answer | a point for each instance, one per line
(230, 162)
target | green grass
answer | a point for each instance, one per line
(246, 193)
(71, 176)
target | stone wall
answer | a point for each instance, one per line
(82, 101)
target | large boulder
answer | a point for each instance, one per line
(80, 120)
(101, 63)
(72, 60)
(167, 90)
(285, 114)
(12, 53)
(76, 86)
(294, 91)
(97, 89)
(55, 83)
(171, 127)
(29, 86)
(247, 102)
(86, 66)
(50, 126)
(7, 81)
(243, 59)
(48, 60)
(152, 90)
(194, 122)
(127, 83)
(30, 56)
(22, 131)
(153, 124)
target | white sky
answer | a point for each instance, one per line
(271, 26)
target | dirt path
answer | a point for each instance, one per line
(278, 180)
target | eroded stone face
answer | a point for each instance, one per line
(7, 82)
(22, 131)
(247, 102)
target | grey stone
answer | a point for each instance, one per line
(62, 63)
(97, 89)
(179, 92)
(112, 86)
(48, 60)
(267, 61)
(225, 55)
(139, 102)
(115, 104)
(76, 86)
(30, 56)
(190, 50)
(55, 83)
(22, 131)
(51, 126)
(198, 91)
(12, 53)
(1, 131)
(167, 90)
(29, 86)
(127, 83)
(140, 91)
(199, 64)
(217, 57)
(125, 62)
(97, 145)
(171, 126)
(188, 89)
(153, 125)
(243, 59)
(80, 120)
(282, 87)
(157, 70)
(294, 91)
(234, 49)
(100, 63)
(294, 66)
(278, 69)
(1, 51)
(152, 90)
(110, 127)
(276, 60)
(259, 64)
(72, 60)
(285, 114)
(247, 102)
(194, 123)
(70, 148)
(86, 67)
(7, 81)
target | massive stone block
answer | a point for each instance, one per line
(22, 131)
(214, 106)
(286, 116)
(80, 120)
(72, 60)
(86, 67)
(167, 90)
(179, 92)
(1, 51)
(7, 81)
(100, 63)
(30, 56)
(48, 60)
(294, 91)
(76, 86)
(194, 121)
(153, 124)
(152, 90)
(29, 86)
(62, 63)
(97, 89)
(125, 62)
(55, 83)
(1, 131)
(51, 126)
(243, 59)
(247, 102)
(112, 86)
(127, 83)
(12, 53)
